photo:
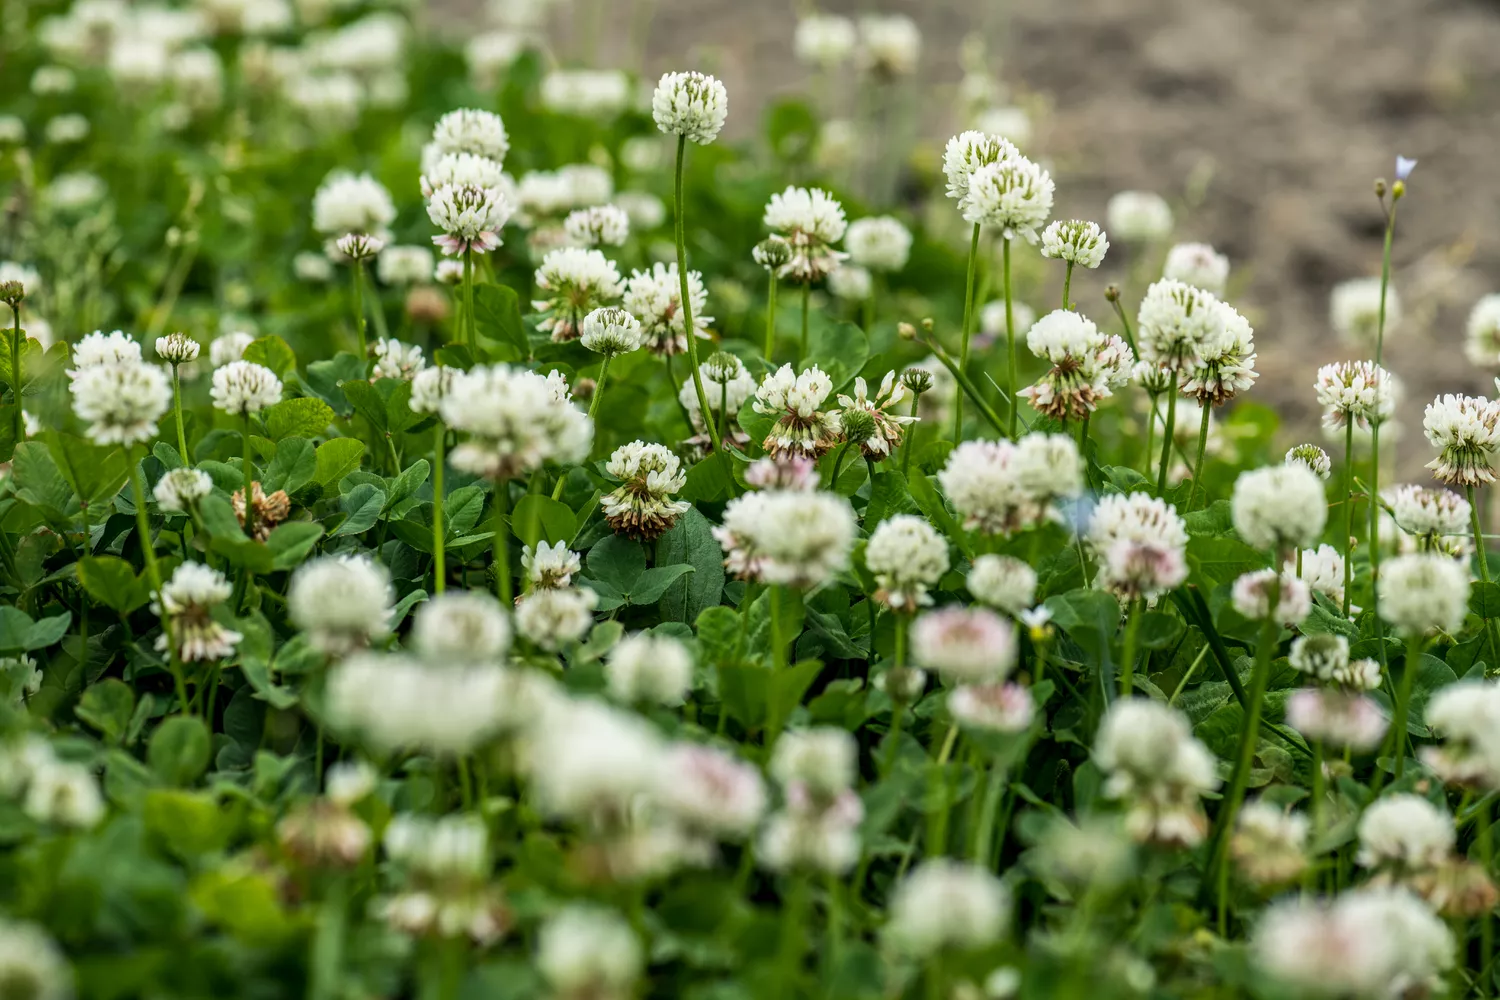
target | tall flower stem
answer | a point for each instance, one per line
(1068, 286)
(439, 565)
(502, 542)
(359, 309)
(177, 408)
(771, 320)
(1486, 845)
(1249, 736)
(1409, 671)
(1202, 448)
(1010, 338)
(838, 463)
(471, 327)
(906, 446)
(987, 812)
(688, 329)
(1374, 533)
(806, 300)
(1168, 431)
(15, 375)
(1482, 557)
(965, 331)
(249, 483)
(1348, 509)
(898, 706)
(1150, 433)
(153, 570)
(599, 388)
(1127, 661)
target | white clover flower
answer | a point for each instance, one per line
(27, 277)
(1087, 365)
(1467, 716)
(460, 626)
(811, 220)
(1354, 310)
(1012, 123)
(1466, 429)
(1226, 367)
(711, 791)
(1075, 241)
(587, 93)
(405, 265)
(341, 602)
(121, 402)
(517, 421)
(878, 243)
(242, 387)
(800, 428)
(1156, 768)
(490, 54)
(551, 566)
(1482, 333)
(965, 645)
(358, 246)
(799, 539)
(888, 427)
(462, 170)
(1001, 488)
(946, 904)
(65, 794)
(966, 153)
(611, 331)
(1429, 514)
(429, 386)
(553, 618)
(393, 359)
(1270, 844)
(352, 203)
(1406, 832)
(588, 760)
(824, 41)
(999, 708)
(1422, 592)
(655, 298)
(1311, 457)
(1139, 216)
(850, 283)
(1368, 943)
(99, 348)
(12, 130)
(1251, 596)
(480, 133)
(644, 209)
(890, 44)
(1140, 542)
(642, 506)
(31, 964)
(177, 348)
(1338, 718)
(348, 781)
(823, 760)
(229, 347)
(649, 669)
(812, 839)
(471, 218)
(188, 600)
(455, 846)
(576, 282)
(1178, 324)
(587, 184)
(392, 702)
(179, 489)
(692, 105)
(1356, 390)
(1322, 656)
(1199, 265)
(587, 951)
(1014, 195)
(907, 556)
(1002, 582)
(597, 225)
(1279, 506)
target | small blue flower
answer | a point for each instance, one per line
(1404, 167)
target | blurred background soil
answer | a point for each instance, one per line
(1288, 109)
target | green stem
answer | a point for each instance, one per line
(1127, 661)
(439, 566)
(937, 820)
(359, 310)
(687, 305)
(15, 375)
(1168, 430)
(806, 300)
(1348, 510)
(1150, 434)
(1409, 671)
(1202, 448)
(1067, 286)
(911, 432)
(502, 542)
(771, 321)
(177, 406)
(1317, 790)
(966, 330)
(599, 390)
(471, 326)
(249, 470)
(793, 937)
(1482, 557)
(987, 813)
(964, 383)
(1385, 280)
(1124, 323)
(838, 463)
(1010, 336)
(153, 572)
(1486, 847)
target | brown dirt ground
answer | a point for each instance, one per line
(1292, 107)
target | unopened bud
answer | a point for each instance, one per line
(1111, 293)
(858, 425)
(906, 331)
(927, 325)
(772, 253)
(1397, 190)
(918, 380)
(1380, 187)
(12, 292)
(584, 388)
(722, 366)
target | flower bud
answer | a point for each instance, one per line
(918, 380)
(12, 292)
(1380, 187)
(906, 331)
(858, 425)
(1111, 293)
(772, 253)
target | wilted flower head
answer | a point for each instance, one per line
(1466, 429)
(692, 105)
(479, 133)
(879, 243)
(242, 387)
(811, 221)
(1075, 241)
(1356, 390)
(907, 556)
(946, 904)
(642, 506)
(341, 602)
(1013, 195)
(1354, 310)
(517, 421)
(1199, 265)
(186, 602)
(1279, 506)
(655, 298)
(1312, 458)
(965, 645)
(1422, 592)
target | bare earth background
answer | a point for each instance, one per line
(1291, 107)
